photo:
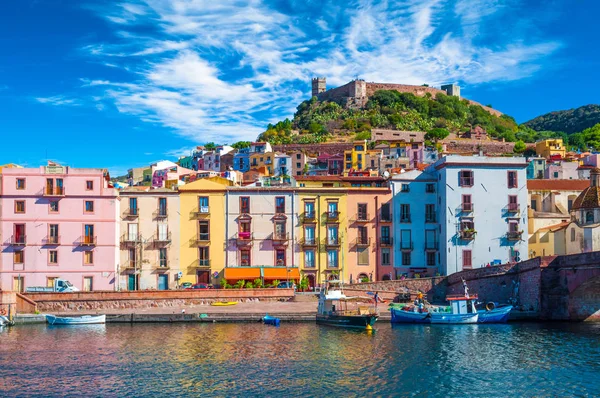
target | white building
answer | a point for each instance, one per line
(474, 209)
(283, 165)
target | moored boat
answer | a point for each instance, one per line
(409, 315)
(79, 320)
(270, 320)
(336, 309)
(494, 314)
(223, 303)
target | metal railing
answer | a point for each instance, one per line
(467, 207)
(131, 238)
(362, 241)
(308, 217)
(163, 264)
(203, 211)
(280, 238)
(332, 241)
(431, 246)
(244, 238)
(87, 240)
(404, 218)
(385, 217)
(430, 217)
(53, 191)
(332, 216)
(467, 234)
(386, 241)
(308, 242)
(160, 239)
(514, 235)
(131, 212)
(51, 240)
(362, 217)
(512, 208)
(18, 240)
(160, 213)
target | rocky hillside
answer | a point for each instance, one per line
(570, 121)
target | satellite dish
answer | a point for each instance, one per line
(386, 174)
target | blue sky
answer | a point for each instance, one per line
(121, 84)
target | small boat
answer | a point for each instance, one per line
(493, 314)
(223, 303)
(270, 320)
(333, 309)
(4, 321)
(409, 314)
(79, 320)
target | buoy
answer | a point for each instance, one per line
(490, 306)
(369, 327)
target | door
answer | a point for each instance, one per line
(162, 232)
(132, 232)
(131, 282)
(163, 282)
(203, 277)
(88, 284)
(18, 284)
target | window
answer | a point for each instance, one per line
(385, 256)
(332, 210)
(404, 213)
(19, 206)
(430, 240)
(88, 230)
(19, 236)
(280, 257)
(89, 206)
(332, 258)
(385, 235)
(467, 259)
(203, 204)
(362, 211)
(556, 174)
(19, 257)
(245, 258)
(298, 165)
(309, 235)
(430, 188)
(88, 257)
(534, 204)
(589, 217)
(363, 255)
(203, 256)
(245, 204)
(53, 234)
(405, 188)
(467, 205)
(53, 206)
(430, 258)
(133, 209)
(162, 207)
(280, 205)
(53, 257)
(512, 203)
(309, 258)
(466, 178)
(50, 281)
(512, 179)
(163, 262)
(20, 183)
(385, 212)
(405, 258)
(573, 235)
(429, 213)
(298, 156)
(203, 231)
(280, 231)
(467, 225)
(332, 235)
(89, 185)
(309, 210)
(405, 239)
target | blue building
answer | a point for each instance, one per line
(241, 160)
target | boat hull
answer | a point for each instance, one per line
(457, 319)
(82, 320)
(497, 315)
(401, 316)
(269, 320)
(348, 321)
(224, 303)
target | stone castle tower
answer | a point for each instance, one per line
(319, 85)
(451, 89)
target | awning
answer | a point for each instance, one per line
(281, 273)
(238, 273)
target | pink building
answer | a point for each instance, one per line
(58, 222)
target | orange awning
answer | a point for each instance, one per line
(281, 273)
(239, 273)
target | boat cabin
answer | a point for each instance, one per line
(462, 304)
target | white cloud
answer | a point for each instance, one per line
(220, 70)
(58, 100)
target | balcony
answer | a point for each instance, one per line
(280, 239)
(53, 191)
(405, 218)
(512, 208)
(406, 246)
(333, 265)
(332, 242)
(514, 235)
(87, 240)
(132, 265)
(200, 212)
(18, 240)
(162, 265)
(332, 216)
(430, 217)
(466, 208)
(159, 214)
(161, 239)
(131, 239)
(308, 217)
(467, 234)
(244, 238)
(280, 210)
(362, 242)
(200, 263)
(51, 240)
(202, 239)
(308, 242)
(386, 241)
(385, 217)
(466, 181)
(431, 246)
(131, 213)
(362, 218)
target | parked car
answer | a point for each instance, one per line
(186, 285)
(200, 286)
(286, 285)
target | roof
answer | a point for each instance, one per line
(556, 227)
(557, 185)
(588, 199)
(397, 135)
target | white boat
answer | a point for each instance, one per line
(79, 320)
(336, 309)
(462, 309)
(4, 321)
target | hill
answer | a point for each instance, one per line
(570, 121)
(325, 121)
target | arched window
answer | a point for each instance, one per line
(589, 217)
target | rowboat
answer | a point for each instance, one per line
(336, 309)
(270, 320)
(223, 303)
(79, 320)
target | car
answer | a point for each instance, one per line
(286, 285)
(200, 286)
(186, 285)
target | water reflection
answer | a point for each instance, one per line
(301, 359)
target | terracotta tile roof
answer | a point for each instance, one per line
(318, 178)
(557, 185)
(556, 227)
(588, 199)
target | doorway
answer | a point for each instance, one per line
(18, 284)
(202, 277)
(132, 282)
(163, 282)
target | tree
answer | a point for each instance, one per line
(210, 146)
(591, 136)
(437, 134)
(241, 144)
(520, 147)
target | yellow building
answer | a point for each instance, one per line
(549, 241)
(547, 148)
(202, 230)
(266, 159)
(324, 234)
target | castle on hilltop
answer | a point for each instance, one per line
(356, 93)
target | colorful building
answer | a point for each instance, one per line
(550, 148)
(58, 222)
(149, 240)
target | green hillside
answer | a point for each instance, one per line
(570, 121)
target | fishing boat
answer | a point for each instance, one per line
(223, 303)
(270, 320)
(336, 309)
(407, 313)
(494, 314)
(79, 320)
(461, 311)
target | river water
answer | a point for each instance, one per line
(301, 359)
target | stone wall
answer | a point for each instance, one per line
(433, 288)
(314, 149)
(57, 302)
